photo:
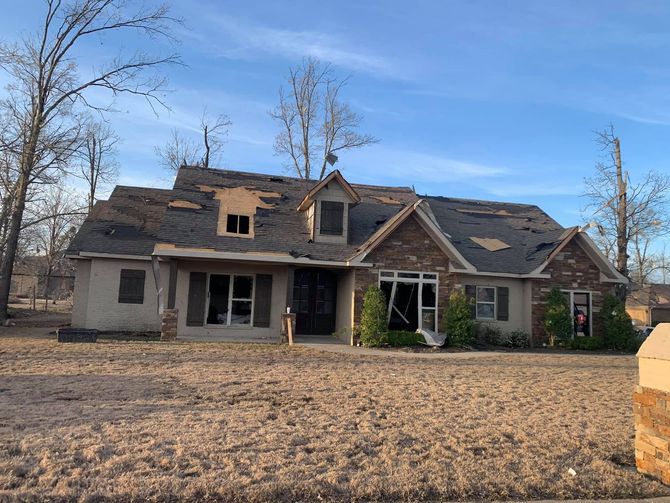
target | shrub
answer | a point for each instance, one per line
(617, 324)
(404, 338)
(517, 339)
(587, 343)
(374, 325)
(558, 323)
(491, 335)
(457, 320)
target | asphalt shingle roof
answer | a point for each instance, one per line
(529, 231)
(127, 223)
(134, 219)
(280, 229)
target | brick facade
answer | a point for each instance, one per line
(408, 248)
(652, 432)
(571, 269)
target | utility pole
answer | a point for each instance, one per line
(622, 221)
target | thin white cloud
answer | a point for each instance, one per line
(410, 166)
(250, 39)
(522, 188)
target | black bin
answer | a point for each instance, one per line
(77, 335)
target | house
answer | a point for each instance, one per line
(30, 276)
(649, 305)
(223, 253)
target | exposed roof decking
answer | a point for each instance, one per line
(281, 228)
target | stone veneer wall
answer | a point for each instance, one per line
(571, 269)
(408, 248)
(652, 432)
(169, 324)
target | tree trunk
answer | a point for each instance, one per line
(7, 267)
(622, 223)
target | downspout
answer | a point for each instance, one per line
(155, 267)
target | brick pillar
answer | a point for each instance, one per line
(651, 406)
(169, 324)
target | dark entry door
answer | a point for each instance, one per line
(314, 294)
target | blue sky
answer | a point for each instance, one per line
(482, 99)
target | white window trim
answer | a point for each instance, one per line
(231, 280)
(494, 302)
(572, 305)
(391, 276)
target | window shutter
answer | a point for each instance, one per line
(131, 286)
(197, 295)
(263, 300)
(502, 306)
(471, 294)
(332, 218)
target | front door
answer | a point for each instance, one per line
(314, 294)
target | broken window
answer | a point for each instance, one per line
(486, 303)
(237, 224)
(230, 299)
(332, 218)
(580, 303)
(411, 299)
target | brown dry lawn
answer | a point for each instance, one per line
(207, 422)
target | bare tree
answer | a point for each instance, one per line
(314, 123)
(45, 84)
(98, 167)
(59, 214)
(182, 151)
(626, 213)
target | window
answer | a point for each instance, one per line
(332, 218)
(412, 299)
(580, 304)
(237, 224)
(486, 303)
(131, 286)
(230, 299)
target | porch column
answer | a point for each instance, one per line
(170, 315)
(651, 406)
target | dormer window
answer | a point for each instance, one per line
(237, 224)
(332, 218)
(326, 207)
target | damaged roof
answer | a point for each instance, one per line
(529, 233)
(279, 226)
(493, 236)
(126, 224)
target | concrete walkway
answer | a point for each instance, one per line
(335, 346)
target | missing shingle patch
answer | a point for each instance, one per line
(239, 201)
(180, 203)
(491, 244)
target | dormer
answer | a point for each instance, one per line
(327, 207)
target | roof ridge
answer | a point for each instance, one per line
(484, 201)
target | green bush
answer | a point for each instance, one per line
(558, 322)
(491, 335)
(404, 338)
(457, 320)
(374, 325)
(618, 327)
(517, 339)
(587, 343)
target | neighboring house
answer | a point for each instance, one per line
(29, 276)
(649, 305)
(230, 251)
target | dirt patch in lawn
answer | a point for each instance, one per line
(133, 421)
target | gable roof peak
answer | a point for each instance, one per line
(336, 176)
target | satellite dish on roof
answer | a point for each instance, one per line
(331, 158)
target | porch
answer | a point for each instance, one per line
(234, 301)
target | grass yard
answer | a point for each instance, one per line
(130, 421)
